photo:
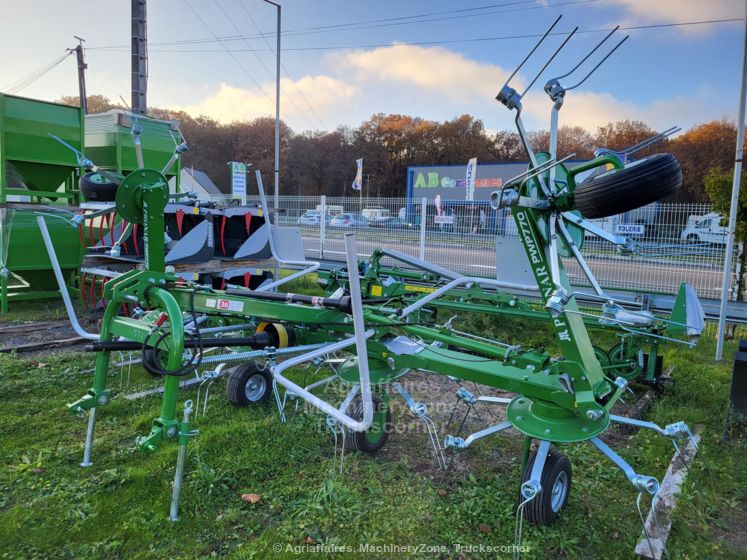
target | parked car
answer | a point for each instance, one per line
(312, 218)
(711, 228)
(390, 223)
(348, 220)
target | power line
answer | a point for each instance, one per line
(357, 25)
(301, 112)
(230, 53)
(26, 81)
(301, 93)
(463, 40)
(413, 16)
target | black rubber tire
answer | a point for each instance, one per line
(539, 510)
(374, 438)
(149, 356)
(240, 377)
(94, 186)
(602, 357)
(639, 183)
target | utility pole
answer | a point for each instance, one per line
(726, 283)
(139, 57)
(277, 112)
(81, 74)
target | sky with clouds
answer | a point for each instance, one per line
(451, 59)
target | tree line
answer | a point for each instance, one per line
(315, 163)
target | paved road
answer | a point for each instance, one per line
(611, 271)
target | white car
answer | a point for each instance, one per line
(311, 218)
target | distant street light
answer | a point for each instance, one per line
(277, 112)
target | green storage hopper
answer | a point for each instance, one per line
(32, 163)
(25, 268)
(109, 142)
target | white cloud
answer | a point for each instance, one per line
(592, 109)
(436, 77)
(437, 70)
(677, 11)
(436, 83)
(229, 103)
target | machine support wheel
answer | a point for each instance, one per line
(248, 383)
(622, 353)
(602, 357)
(154, 356)
(374, 438)
(639, 183)
(556, 486)
(94, 186)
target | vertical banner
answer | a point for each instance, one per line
(238, 180)
(470, 183)
(358, 182)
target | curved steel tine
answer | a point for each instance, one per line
(197, 400)
(598, 64)
(533, 49)
(584, 59)
(571, 34)
(213, 377)
(121, 367)
(653, 140)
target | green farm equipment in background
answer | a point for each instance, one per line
(25, 270)
(32, 164)
(35, 168)
(38, 176)
(120, 141)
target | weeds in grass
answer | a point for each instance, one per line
(50, 508)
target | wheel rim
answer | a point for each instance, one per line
(559, 491)
(255, 387)
(619, 354)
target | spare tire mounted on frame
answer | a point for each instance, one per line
(620, 190)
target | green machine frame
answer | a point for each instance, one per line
(559, 399)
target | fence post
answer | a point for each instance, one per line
(423, 217)
(322, 225)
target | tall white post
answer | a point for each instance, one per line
(322, 225)
(726, 283)
(423, 216)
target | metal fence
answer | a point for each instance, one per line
(462, 236)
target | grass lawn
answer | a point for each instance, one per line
(52, 508)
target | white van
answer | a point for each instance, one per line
(711, 228)
(332, 209)
(375, 214)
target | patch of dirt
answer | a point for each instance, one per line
(21, 333)
(410, 439)
(736, 534)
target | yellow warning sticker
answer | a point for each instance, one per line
(421, 289)
(375, 290)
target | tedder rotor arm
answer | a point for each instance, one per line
(359, 339)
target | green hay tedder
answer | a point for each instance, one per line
(387, 320)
